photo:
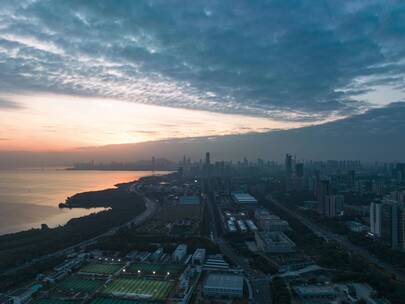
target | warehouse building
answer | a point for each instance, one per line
(274, 242)
(223, 285)
(243, 198)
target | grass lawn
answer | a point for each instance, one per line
(99, 268)
(79, 284)
(151, 289)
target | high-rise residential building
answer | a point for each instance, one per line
(375, 218)
(299, 170)
(207, 158)
(392, 224)
(323, 189)
(288, 165)
(351, 178)
(400, 170)
(333, 205)
(377, 187)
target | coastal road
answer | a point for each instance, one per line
(342, 240)
(151, 208)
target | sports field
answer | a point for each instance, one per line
(79, 284)
(151, 289)
(121, 301)
(158, 268)
(99, 268)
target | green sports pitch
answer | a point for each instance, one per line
(157, 268)
(142, 288)
(100, 268)
(79, 284)
(121, 301)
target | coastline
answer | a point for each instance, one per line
(29, 205)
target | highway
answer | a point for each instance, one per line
(151, 208)
(342, 240)
(260, 283)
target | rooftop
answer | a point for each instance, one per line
(315, 290)
(224, 281)
(243, 198)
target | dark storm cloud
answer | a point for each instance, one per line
(289, 60)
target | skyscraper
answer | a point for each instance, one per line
(323, 189)
(392, 224)
(333, 205)
(207, 159)
(375, 218)
(288, 165)
(299, 170)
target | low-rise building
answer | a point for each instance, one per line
(274, 242)
(198, 257)
(270, 222)
(251, 225)
(24, 295)
(243, 198)
(155, 256)
(315, 293)
(180, 252)
(223, 285)
(216, 262)
(357, 227)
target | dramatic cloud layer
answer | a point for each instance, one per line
(290, 60)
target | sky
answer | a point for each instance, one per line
(89, 73)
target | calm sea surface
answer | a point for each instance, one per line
(30, 197)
